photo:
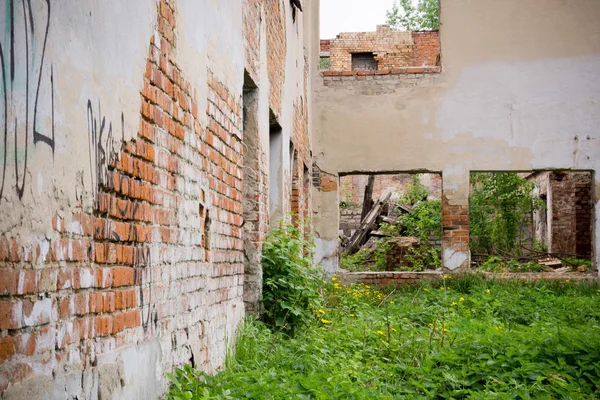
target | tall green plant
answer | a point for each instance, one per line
(290, 281)
(501, 203)
(405, 16)
(424, 222)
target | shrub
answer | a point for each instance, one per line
(290, 281)
(501, 203)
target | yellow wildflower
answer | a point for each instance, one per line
(325, 321)
(393, 330)
(566, 280)
(321, 311)
(430, 325)
(380, 332)
(487, 291)
(425, 290)
(352, 315)
(461, 299)
(453, 303)
(392, 302)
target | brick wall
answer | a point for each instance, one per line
(426, 49)
(160, 257)
(276, 43)
(392, 49)
(572, 211)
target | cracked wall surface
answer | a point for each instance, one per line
(126, 222)
(517, 91)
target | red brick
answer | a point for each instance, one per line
(9, 281)
(7, 348)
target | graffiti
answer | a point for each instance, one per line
(102, 148)
(142, 265)
(22, 76)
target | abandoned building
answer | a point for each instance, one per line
(148, 146)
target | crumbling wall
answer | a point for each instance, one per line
(571, 213)
(122, 221)
(496, 105)
(391, 49)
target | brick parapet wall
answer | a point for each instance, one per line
(384, 71)
(161, 255)
(392, 49)
(426, 48)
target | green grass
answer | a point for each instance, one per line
(458, 338)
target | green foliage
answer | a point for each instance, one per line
(500, 265)
(424, 222)
(324, 63)
(501, 203)
(290, 281)
(579, 262)
(356, 262)
(415, 192)
(405, 16)
(463, 337)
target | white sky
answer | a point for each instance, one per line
(352, 16)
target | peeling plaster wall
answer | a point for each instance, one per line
(81, 58)
(121, 226)
(518, 90)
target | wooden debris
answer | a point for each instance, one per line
(367, 225)
(368, 198)
(550, 262)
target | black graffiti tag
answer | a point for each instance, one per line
(22, 45)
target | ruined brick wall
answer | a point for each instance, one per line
(571, 226)
(160, 256)
(136, 263)
(426, 49)
(352, 187)
(391, 49)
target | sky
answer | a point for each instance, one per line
(352, 16)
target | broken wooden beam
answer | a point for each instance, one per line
(367, 225)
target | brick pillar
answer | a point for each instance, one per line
(455, 221)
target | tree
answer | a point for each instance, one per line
(404, 15)
(501, 204)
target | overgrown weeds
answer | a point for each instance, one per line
(461, 337)
(291, 283)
